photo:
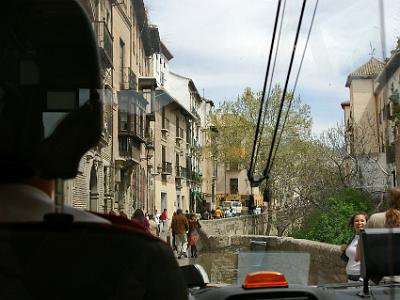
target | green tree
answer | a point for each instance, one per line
(236, 121)
(329, 222)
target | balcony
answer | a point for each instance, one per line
(149, 95)
(166, 168)
(179, 134)
(183, 172)
(104, 42)
(128, 79)
(147, 83)
(131, 115)
(180, 172)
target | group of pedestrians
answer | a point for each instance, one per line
(213, 214)
(149, 223)
(387, 219)
(184, 229)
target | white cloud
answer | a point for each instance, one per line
(223, 45)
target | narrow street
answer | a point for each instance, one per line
(181, 261)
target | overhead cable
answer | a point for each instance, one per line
(251, 166)
(267, 167)
(270, 85)
(295, 85)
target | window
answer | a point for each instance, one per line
(123, 114)
(177, 164)
(125, 148)
(234, 188)
(131, 114)
(163, 154)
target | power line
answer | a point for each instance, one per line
(295, 84)
(250, 170)
(270, 83)
(267, 167)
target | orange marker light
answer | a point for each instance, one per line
(264, 279)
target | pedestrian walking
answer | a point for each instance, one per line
(218, 213)
(193, 235)
(157, 219)
(180, 226)
(172, 230)
(206, 215)
(139, 217)
(164, 220)
(154, 230)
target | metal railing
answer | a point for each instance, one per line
(183, 172)
(179, 133)
(166, 168)
(129, 79)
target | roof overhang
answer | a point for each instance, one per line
(166, 99)
(164, 50)
(345, 104)
(390, 68)
(350, 78)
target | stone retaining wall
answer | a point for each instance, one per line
(257, 225)
(325, 263)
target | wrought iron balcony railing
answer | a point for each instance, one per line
(166, 168)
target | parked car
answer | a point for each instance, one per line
(237, 208)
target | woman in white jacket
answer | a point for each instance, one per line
(357, 222)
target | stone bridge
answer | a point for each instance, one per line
(275, 222)
(239, 233)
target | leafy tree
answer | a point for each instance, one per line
(236, 123)
(329, 222)
(305, 170)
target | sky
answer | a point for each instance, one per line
(223, 46)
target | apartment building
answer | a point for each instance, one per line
(185, 91)
(155, 123)
(387, 87)
(208, 163)
(92, 187)
(371, 121)
(232, 183)
(113, 175)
